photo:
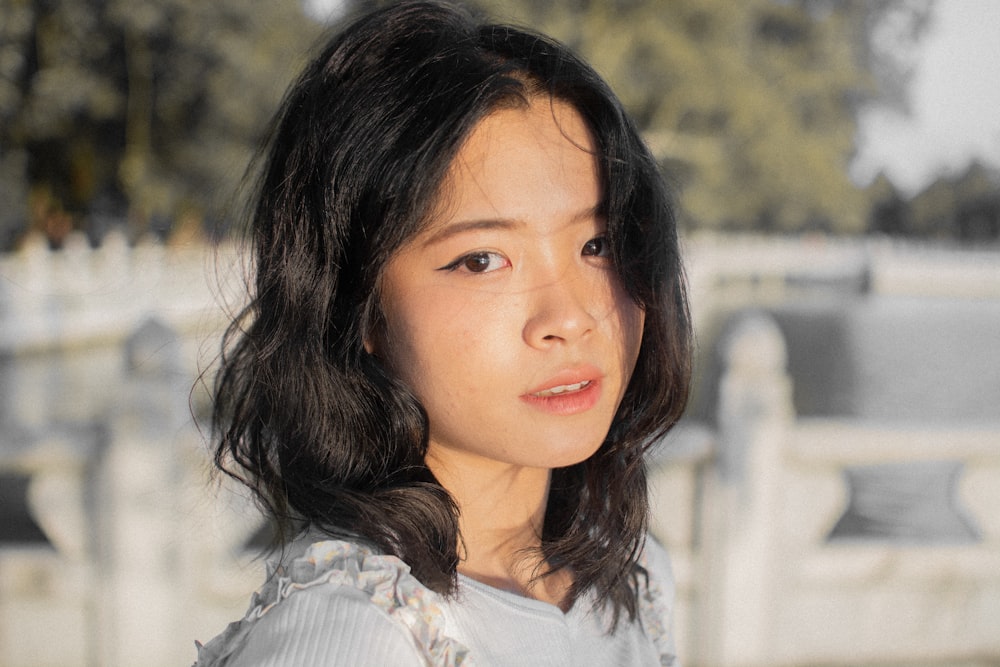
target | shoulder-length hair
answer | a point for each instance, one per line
(322, 432)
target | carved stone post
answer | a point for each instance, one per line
(139, 555)
(743, 497)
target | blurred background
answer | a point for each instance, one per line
(832, 497)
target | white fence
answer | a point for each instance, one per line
(764, 577)
(99, 350)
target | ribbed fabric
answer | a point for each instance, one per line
(502, 628)
(324, 626)
(336, 603)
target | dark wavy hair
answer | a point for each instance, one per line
(323, 433)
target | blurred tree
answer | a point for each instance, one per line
(148, 108)
(14, 30)
(964, 207)
(751, 105)
(890, 212)
(153, 106)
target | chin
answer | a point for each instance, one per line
(573, 454)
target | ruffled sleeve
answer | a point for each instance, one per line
(656, 600)
(350, 573)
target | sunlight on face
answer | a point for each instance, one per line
(506, 317)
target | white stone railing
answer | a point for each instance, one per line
(763, 577)
(99, 351)
(81, 296)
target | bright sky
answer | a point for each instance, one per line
(324, 9)
(955, 100)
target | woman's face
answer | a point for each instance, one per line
(505, 316)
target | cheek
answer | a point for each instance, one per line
(427, 336)
(630, 320)
(400, 345)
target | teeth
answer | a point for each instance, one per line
(561, 389)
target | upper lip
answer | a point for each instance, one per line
(568, 376)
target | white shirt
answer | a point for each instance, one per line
(336, 602)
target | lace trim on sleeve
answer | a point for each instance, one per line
(385, 579)
(655, 608)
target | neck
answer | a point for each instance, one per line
(502, 514)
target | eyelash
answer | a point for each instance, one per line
(474, 256)
(588, 250)
(604, 248)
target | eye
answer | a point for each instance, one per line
(478, 262)
(597, 247)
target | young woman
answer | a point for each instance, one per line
(468, 324)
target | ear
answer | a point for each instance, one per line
(371, 329)
(373, 338)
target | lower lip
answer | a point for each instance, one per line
(568, 403)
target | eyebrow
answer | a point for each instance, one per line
(455, 228)
(445, 232)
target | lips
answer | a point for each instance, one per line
(568, 392)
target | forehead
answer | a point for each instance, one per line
(546, 124)
(521, 163)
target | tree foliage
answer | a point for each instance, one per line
(964, 207)
(144, 107)
(151, 108)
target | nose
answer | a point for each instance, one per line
(561, 310)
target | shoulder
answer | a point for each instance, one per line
(319, 626)
(655, 560)
(335, 602)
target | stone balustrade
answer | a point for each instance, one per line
(833, 541)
